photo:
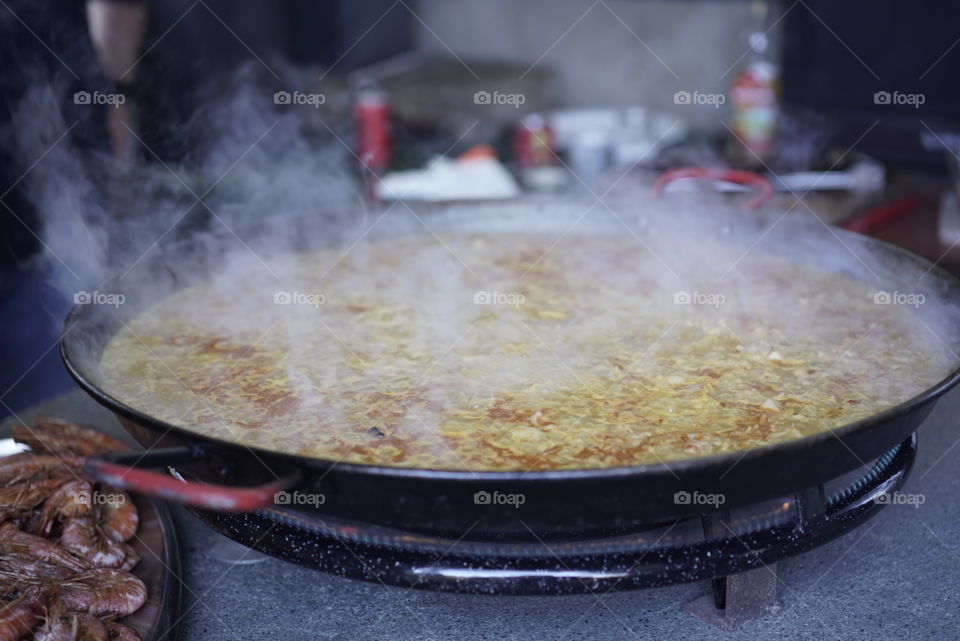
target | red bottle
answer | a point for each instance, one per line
(371, 113)
(533, 143)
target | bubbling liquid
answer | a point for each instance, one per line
(517, 352)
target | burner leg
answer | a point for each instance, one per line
(713, 527)
(746, 596)
(811, 506)
(719, 586)
(737, 598)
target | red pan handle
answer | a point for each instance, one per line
(737, 176)
(221, 498)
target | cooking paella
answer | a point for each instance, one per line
(518, 352)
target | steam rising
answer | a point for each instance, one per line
(269, 191)
(252, 166)
(561, 337)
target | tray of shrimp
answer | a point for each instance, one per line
(79, 559)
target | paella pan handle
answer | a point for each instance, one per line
(125, 470)
(736, 176)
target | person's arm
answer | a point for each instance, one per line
(117, 30)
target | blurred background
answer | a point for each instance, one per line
(125, 125)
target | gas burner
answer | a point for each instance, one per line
(716, 545)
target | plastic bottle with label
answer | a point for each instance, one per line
(754, 98)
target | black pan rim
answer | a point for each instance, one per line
(675, 468)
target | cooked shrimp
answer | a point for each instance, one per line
(59, 624)
(27, 466)
(117, 515)
(70, 500)
(90, 628)
(104, 591)
(55, 436)
(120, 632)
(64, 587)
(13, 460)
(82, 536)
(17, 617)
(12, 567)
(130, 561)
(15, 543)
(18, 500)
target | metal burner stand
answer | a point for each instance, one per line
(719, 545)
